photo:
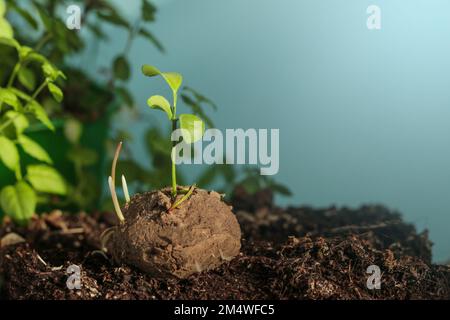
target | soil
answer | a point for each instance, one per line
(293, 253)
(200, 235)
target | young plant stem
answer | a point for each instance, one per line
(111, 183)
(174, 127)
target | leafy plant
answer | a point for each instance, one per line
(41, 24)
(192, 127)
(17, 108)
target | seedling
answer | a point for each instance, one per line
(192, 127)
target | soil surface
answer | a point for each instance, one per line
(293, 253)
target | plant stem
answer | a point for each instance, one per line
(174, 168)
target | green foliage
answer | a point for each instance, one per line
(192, 126)
(17, 109)
(18, 201)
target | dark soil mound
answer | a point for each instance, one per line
(199, 235)
(327, 258)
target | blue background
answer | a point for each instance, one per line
(364, 115)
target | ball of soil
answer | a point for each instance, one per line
(199, 235)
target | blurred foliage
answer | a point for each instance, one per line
(41, 24)
(19, 108)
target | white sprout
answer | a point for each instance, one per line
(125, 189)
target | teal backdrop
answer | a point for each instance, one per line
(364, 116)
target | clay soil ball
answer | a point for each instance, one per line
(200, 235)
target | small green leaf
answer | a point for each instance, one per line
(9, 97)
(18, 201)
(148, 11)
(149, 36)
(44, 178)
(5, 29)
(73, 130)
(8, 153)
(40, 114)
(55, 91)
(121, 68)
(159, 102)
(34, 149)
(10, 42)
(173, 79)
(193, 126)
(51, 72)
(24, 51)
(27, 78)
(19, 121)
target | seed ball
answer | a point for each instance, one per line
(200, 235)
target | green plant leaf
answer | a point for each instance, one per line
(19, 121)
(34, 149)
(18, 201)
(25, 15)
(121, 68)
(10, 98)
(83, 156)
(40, 114)
(55, 91)
(10, 42)
(194, 127)
(2, 8)
(148, 11)
(159, 102)
(5, 29)
(8, 153)
(173, 79)
(44, 178)
(73, 129)
(150, 37)
(51, 72)
(114, 18)
(27, 78)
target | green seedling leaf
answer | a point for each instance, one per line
(193, 127)
(55, 91)
(44, 178)
(8, 153)
(10, 98)
(27, 78)
(5, 29)
(173, 79)
(34, 149)
(121, 68)
(40, 114)
(159, 102)
(18, 201)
